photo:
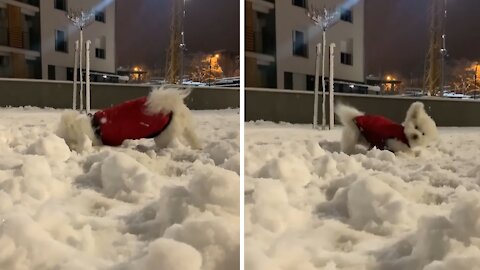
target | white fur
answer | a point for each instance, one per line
(351, 136)
(419, 128)
(162, 100)
(77, 131)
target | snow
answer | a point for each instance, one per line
(309, 206)
(129, 207)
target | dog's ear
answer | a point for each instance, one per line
(415, 110)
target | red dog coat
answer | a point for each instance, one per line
(128, 120)
(378, 129)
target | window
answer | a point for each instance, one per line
(346, 59)
(100, 53)
(300, 3)
(299, 45)
(346, 52)
(70, 74)
(3, 26)
(4, 61)
(288, 80)
(61, 4)
(100, 16)
(51, 72)
(60, 41)
(5, 69)
(100, 47)
(346, 15)
(311, 82)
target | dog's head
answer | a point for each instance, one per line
(419, 127)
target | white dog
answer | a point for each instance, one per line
(162, 115)
(418, 129)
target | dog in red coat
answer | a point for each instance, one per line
(162, 115)
(418, 129)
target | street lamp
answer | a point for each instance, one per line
(443, 50)
(80, 19)
(325, 19)
(183, 46)
(475, 82)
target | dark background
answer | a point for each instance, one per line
(396, 35)
(143, 29)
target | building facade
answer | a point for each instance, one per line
(20, 39)
(38, 41)
(281, 45)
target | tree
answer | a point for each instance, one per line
(464, 75)
(206, 68)
(230, 64)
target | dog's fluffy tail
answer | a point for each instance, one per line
(76, 130)
(346, 113)
(166, 100)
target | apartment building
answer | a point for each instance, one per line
(38, 41)
(281, 45)
(20, 39)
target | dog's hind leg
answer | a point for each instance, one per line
(166, 137)
(350, 138)
(397, 146)
(190, 135)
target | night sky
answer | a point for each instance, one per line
(143, 29)
(396, 35)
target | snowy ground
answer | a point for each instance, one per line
(129, 207)
(307, 206)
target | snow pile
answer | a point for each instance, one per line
(128, 207)
(309, 206)
(170, 254)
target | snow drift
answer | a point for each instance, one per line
(129, 207)
(309, 206)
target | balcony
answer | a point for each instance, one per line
(16, 38)
(35, 3)
(260, 33)
(263, 43)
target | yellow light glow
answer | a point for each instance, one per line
(389, 78)
(217, 55)
(136, 69)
